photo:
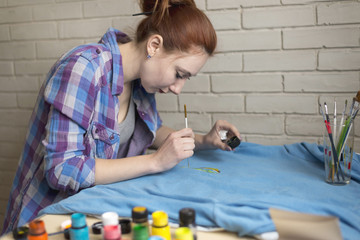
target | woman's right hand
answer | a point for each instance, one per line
(177, 146)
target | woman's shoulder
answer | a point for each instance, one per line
(91, 52)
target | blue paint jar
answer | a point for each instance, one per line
(79, 230)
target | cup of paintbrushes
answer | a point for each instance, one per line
(338, 152)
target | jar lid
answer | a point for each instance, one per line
(160, 218)
(139, 213)
(20, 232)
(125, 225)
(96, 228)
(186, 216)
(110, 218)
(78, 220)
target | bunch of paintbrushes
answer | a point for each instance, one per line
(339, 137)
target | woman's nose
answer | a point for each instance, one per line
(177, 86)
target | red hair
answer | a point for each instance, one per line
(181, 24)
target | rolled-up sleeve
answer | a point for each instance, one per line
(67, 168)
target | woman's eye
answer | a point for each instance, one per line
(181, 77)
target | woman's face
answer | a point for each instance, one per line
(168, 72)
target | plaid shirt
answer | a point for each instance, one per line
(74, 122)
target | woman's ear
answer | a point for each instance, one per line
(154, 43)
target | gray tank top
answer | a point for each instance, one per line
(126, 127)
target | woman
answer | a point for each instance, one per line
(98, 103)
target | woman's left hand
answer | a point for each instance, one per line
(212, 139)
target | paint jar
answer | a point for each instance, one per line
(20, 233)
(160, 225)
(140, 223)
(37, 230)
(79, 230)
(187, 219)
(184, 233)
(338, 153)
(125, 225)
(140, 232)
(111, 227)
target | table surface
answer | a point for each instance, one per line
(53, 223)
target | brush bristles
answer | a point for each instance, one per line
(357, 98)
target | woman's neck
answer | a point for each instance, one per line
(131, 60)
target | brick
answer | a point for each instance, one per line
(246, 83)
(231, 62)
(27, 100)
(27, 2)
(320, 37)
(6, 178)
(267, 103)
(126, 24)
(17, 50)
(5, 189)
(83, 28)
(347, 59)
(108, 8)
(8, 164)
(278, 17)
(280, 61)
(280, 140)
(225, 20)
(249, 40)
(212, 103)
(19, 84)
(33, 67)
(259, 3)
(4, 33)
(42, 30)
(56, 48)
(201, 4)
(10, 150)
(57, 11)
(15, 15)
(6, 68)
(198, 122)
(18, 118)
(215, 4)
(14, 134)
(304, 125)
(166, 102)
(8, 100)
(339, 13)
(200, 83)
(285, 2)
(254, 124)
(322, 82)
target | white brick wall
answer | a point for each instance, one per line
(276, 60)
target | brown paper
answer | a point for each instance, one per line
(301, 226)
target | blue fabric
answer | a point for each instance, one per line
(252, 179)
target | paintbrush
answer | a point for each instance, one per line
(328, 128)
(348, 123)
(186, 126)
